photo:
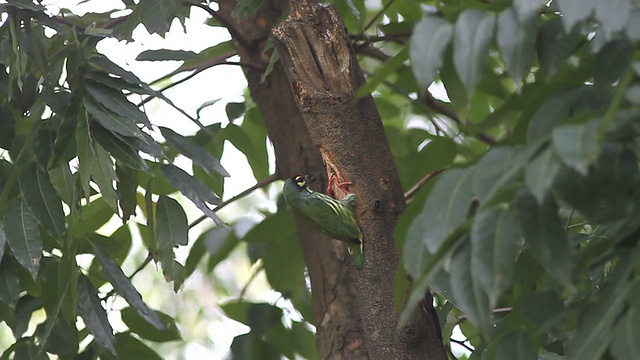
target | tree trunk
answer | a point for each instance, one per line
(354, 313)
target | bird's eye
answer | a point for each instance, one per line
(300, 181)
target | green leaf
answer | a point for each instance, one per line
(90, 217)
(104, 175)
(497, 169)
(246, 8)
(3, 240)
(171, 224)
(574, 11)
(127, 189)
(234, 110)
(516, 37)
(625, 336)
(130, 348)
(541, 173)
(577, 145)
(193, 190)
(612, 62)
(43, 200)
(527, 8)
(516, 346)
(166, 55)
(204, 105)
(430, 38)
(217, 52)
(189, 149)
(124, 288)
(86, 156)
(93, 315)
(140, 326)
(468, 294)
(554, 46)
(157, 15)
(473, 33)
(110, 120)
(612, 15)
(117, 102)
(9, 283)
(23, 236)
(496, 242)
(252, 147)
(594, 330)
(390, 66)
(117, 148)
(545, 236)
(444, 210)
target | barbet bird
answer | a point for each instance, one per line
(335, 218)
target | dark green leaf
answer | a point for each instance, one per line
(516, 346)
(23, 236)
(188, 185)
(496, 242)
(545, 236)
(171, 224)
(3, 240)
(204, 105)
(254, 148)
(541, 173)
(577, 145)
(234, 110)
(612, 15)
(612, 62)
(498, 168)
(625, 336)
(118, 103)
(127, 189)
(140, 326)
(554, 45)
(110, 120)
(516, 37)
(246, 8)
(473, 33)
(104, 175)
(62, 339)
(120, 150)
(166, 54)
(157, 15)
(428, 43)
(43, 200)
(130, 348)
(90, 217)
(123, 286)
(9, 283)
(188, 148)
(93, 315)
(527, 8)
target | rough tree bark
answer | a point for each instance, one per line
(354, 313)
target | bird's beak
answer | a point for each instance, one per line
(309, 179)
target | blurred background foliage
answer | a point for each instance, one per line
(514, 125)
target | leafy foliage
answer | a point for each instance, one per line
(527, 110)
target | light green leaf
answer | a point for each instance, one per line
(390, 66)
(253, 148)
(473, 33)
(468, 294)
(123, 286)
(191, 150)
(577, 145)
(574, 11)
(94, 315)
(541, 173)
(104, 175)
(496, 242)
(430, 38)
(612, 15)
(445, 209)
(43, 200)
(110, 120)
(23, 236)
(545, 236)
(516, 37)
(130, 348)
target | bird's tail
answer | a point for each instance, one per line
(356, 255)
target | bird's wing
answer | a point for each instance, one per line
(329, 215)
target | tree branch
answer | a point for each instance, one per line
(422, 182)
(262, 183)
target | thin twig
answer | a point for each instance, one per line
(231, 26)
(462, 343)
(422, 182)
(264, 182)
(375, 18)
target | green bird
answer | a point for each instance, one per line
(336, 218)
